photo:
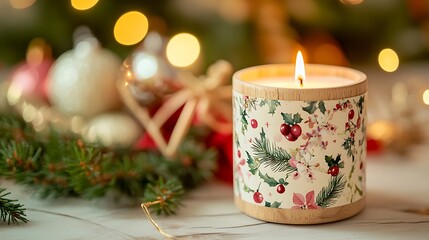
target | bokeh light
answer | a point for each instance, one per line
(21, 4)
(131, 28)
(426, 96)
(388, 60)
(83, 4)
(183, 49)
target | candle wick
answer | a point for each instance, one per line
(301, 81)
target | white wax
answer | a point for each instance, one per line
(310, 82)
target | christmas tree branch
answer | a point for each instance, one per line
(62, 165)
(10, 210)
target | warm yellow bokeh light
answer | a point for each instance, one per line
(21, 4)
(183, 49)
(426, 97)
(83, 4)
(388, 60)
(131, 28)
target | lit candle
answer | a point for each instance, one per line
(299, 142)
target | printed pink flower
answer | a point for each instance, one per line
(304, 203)
(292, 162)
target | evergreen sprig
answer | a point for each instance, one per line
(329, 194)
(11, 211)
(62, 164)
(271, 155)
(166, 195)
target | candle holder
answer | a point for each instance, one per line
(299, 153)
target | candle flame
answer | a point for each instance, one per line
(299, 70)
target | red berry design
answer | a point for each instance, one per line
(257, 197)
(334, 170)
(359, 122)
(291, 137)
(285, 129)
(361, 165)
(254, 123)
(239, 154)
(281, 188)
(351, 114)
(296, 130)
(338, 107)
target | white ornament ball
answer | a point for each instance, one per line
(83, 80)
(113, 129)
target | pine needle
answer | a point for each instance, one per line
(329, 194)
(10, 210)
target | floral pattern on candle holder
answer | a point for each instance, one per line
(299, 154)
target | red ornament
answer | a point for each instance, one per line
(30, 77)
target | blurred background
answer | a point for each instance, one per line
(244, 32)
(387, 39)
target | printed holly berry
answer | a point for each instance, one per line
(338, 107)
(334, 170)
(281, 188)
(239, 154)
(291, 137)
(254, 123)
(257, 196)
(351, 114)
(334, 165)
(296, 130)
(285, 129)
(290, 128)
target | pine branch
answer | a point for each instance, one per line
(166, 196)
(270, 155)
(329, 195)
(10, 210)
(62, 164)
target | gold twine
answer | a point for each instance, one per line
(145, 207)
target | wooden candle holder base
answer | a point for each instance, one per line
(297, 216)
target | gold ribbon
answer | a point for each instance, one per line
(208, 96)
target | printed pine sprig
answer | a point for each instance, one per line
(11, 211)
(329, 194)
(270, 155)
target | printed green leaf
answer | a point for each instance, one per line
(247, 189)
(269, 180)
(253, 166)
(360, 104)
(287, 118)
(311, 108)
(281, 180)
(272, 105)
(273, 205)
(322, 107)
(291, 120)
(329, 160)
(276, 204)
(297, 118)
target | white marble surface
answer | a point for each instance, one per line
(395, 184)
